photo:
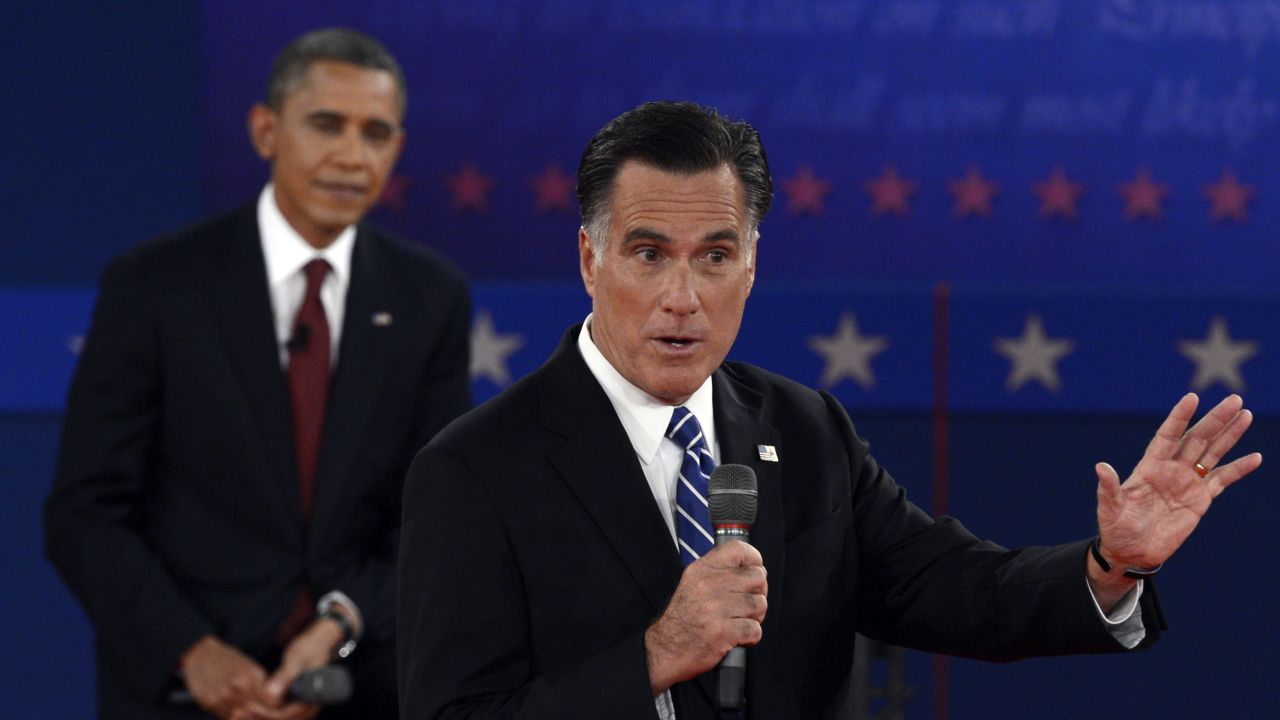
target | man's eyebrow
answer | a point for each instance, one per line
(380, 125)
(325, 116)
(645, 233)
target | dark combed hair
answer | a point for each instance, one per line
(675, 137)
(338, 44)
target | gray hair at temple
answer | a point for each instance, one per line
(675, 137)
(339, 45)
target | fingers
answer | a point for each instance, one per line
(1222, 478)
(733, 554)
(1169, 435)
(278, 684)
(1226, 439)
(720, 602)
(1205, 433)
(1108, 480)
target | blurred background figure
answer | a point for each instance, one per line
(226, 502)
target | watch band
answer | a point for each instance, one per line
(325, 608)
(1095, 548)
(348, 632)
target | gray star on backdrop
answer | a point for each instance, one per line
(1217, 358)
(1034, 356)
(490, 350)
(847, 353)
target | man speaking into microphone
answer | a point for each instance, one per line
(558, 558)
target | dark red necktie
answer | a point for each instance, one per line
(309, 391)
(309, 379)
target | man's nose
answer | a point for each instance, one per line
(349, 151)
(680, 291)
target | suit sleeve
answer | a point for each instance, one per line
(931, 585)
(445, 393)
(95, 516)
(464, 634)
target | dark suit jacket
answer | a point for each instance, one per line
(533, 557)
(176, 509)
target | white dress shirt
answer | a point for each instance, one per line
(645, 421)
(286, 254)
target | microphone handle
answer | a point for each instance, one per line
(731, 673)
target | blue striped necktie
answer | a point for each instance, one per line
(693, 522)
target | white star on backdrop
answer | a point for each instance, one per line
(1034, 356)
(848, 353)
(1217, 358)
(490, 350)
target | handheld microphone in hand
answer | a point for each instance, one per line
(327, 685)
(732, 501)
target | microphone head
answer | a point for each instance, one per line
(327, 685)
(732, 498)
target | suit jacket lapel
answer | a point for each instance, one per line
(354, 383)
(599, 465)
(244, 315)
(740, 429)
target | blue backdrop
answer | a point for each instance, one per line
(1007, 235)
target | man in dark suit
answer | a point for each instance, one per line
(252, 389)
(556, 559)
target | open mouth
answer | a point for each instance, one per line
(341, 188)
(677, 341)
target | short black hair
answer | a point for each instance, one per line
(675, 137)
(337, 44)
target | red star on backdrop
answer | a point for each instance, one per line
(889, 193)
(805, 192)
(553, 190)
(973, 193)
(1058, 195)
(1142, 196)
(469, 188)
(392, 195)
(1228, 198)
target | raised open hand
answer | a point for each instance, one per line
(1145, 519)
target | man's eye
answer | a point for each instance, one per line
(648, 254)
(717, 256)
(377, 134)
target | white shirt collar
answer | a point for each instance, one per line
(285, 250)
(644, 418)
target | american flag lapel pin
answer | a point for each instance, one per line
(768, 453)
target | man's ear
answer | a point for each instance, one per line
(587, 261)
(263, 122)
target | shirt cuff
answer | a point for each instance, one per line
(1124, 622)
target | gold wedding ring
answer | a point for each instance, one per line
(1201, 470)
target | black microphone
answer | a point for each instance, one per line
(732, 500)
(326, 685)
(301, 336)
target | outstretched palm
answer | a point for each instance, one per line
(1143, 521)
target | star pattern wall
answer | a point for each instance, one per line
(806, 191)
